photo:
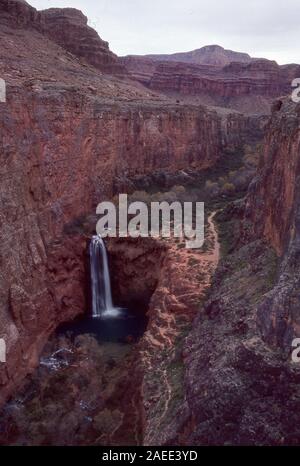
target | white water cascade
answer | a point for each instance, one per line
(102, 303)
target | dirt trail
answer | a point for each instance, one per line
(186, 276)
(215, 256)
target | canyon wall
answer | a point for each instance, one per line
(245, 86)
(67, 27)
(273, 209)
(18, 13)
(272, 201)
(61, 164)
(67, 133)
(240, 384)
(261, 77)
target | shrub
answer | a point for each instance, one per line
(228, 188)
(164, 197)
(212, 189)
(140, 196)
(178, 189)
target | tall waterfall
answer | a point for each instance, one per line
(100, 280)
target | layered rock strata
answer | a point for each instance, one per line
(67, 133)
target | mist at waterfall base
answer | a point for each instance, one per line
(108, 323)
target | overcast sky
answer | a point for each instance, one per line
(263, 28)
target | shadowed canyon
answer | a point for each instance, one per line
(204, 357)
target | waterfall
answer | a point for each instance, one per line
(102, 304)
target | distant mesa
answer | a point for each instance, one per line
(208, 55)
(215, 77)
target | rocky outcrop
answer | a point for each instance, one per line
(135, 266)
(68, 27)
(18, 13)
(238, 390)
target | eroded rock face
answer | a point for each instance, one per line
(18, 13)
(273, 207)
(68, 132)
(245, 86)
(241, 386)
(135, 266)
(257, 78)
(273, 198)
(54, 183)
(68, 27)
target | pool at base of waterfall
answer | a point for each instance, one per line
(108, 323)
(119, 325)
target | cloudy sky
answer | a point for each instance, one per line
(268, 28)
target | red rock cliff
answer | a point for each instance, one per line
(67, 132)
(274, 196)
(249, 87)
(68, 27)
(273, 209)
